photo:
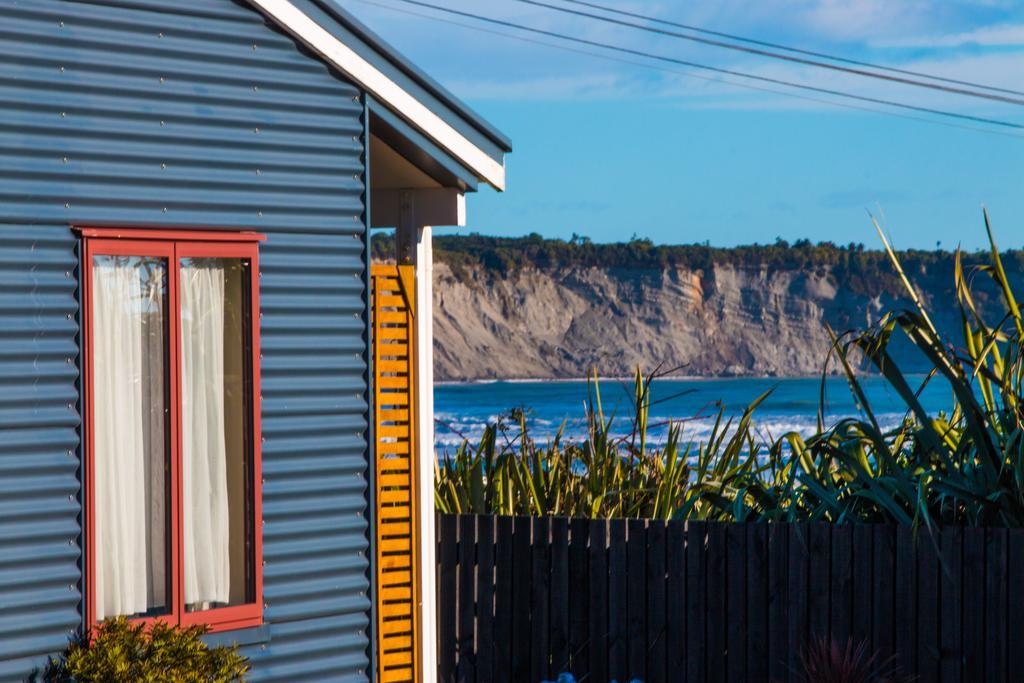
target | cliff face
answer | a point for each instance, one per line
(725, 320)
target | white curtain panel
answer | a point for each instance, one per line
(129, 456)
(205, 491)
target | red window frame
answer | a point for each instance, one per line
(174, 245)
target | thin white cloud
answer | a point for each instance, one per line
(1005, 35)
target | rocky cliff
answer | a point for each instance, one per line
(726, 318)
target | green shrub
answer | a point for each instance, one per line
(120, 651)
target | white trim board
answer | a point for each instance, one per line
(367, 76)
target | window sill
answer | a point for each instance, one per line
(245, 636)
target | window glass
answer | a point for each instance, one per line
(216, 433)
(130, 435)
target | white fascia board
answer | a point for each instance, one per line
(367, 76)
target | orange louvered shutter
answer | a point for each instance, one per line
(397, 553)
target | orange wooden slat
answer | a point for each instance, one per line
(396, 530)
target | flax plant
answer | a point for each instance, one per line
(964, 465)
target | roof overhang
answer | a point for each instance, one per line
(455, 141)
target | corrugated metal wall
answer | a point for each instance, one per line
(120, 112)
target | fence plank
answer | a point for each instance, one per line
(863, 566)
(906, 600)
(798, 558)
(485, 582)
(618, 609)
(636, 599)
(717, 619)
(676, 611)
(579, 598)
(757, 602)
(819, 571)
(778, 603)
(1015, 595)
(598, 600)
(928, 651)
(466, 625)
(503, 604)
(540, 593)
(882, 627)
(949, 604)
(656, 601)
(522, 559)
(559, 609)
(736, 601)
(996, 633)
(841, 584)
(973, 609)
(447, 609)
(696, 601)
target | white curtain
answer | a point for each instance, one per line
(129, 441)
(205, 492)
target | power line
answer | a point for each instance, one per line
(690, 74)
(788, 48)
(705, 67)
(776, 55)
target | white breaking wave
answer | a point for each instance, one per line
(451, 430)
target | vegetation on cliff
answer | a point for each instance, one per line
(862, 270)
(964, 465)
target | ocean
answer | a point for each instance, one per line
(463, 409)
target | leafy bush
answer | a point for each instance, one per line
(827, 661)
(120, 651)
(960, 466)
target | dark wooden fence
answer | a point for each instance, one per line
(522, 599)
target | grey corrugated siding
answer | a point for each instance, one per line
(243, 131)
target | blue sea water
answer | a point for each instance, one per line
(462, 410)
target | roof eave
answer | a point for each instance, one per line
(384, 89)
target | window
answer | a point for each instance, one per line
(172, 429)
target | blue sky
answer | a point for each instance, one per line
(609, 149)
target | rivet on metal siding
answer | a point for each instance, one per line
(255, 88)
(165, 209)
(163, 165)
(71, 498)
(161, 123)
(67, 205)
(63, 114)
(258, 172)
(355, 138)
(256, 130)
(62, 69)
(160, 35)
(67, 273)
(65, 160)
(254, 46)
(161, 79)
(263, 646)
(260, 214)
(62, 24)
